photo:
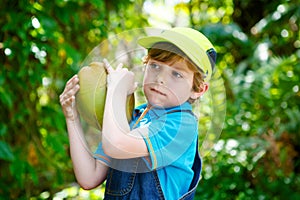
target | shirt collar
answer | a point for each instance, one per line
(157, 112)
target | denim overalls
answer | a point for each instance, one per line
(133, 185)
(144, 186)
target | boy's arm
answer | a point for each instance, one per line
(118, 141)
(88, 171)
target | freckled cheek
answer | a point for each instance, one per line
(183, 86)
(181, 91)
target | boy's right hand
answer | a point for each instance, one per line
(120, 78)
(67, 99)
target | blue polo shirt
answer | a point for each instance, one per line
(171, 142)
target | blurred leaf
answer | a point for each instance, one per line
(5, 152)
(5, 98)
(3, 129)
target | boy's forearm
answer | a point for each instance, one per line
(117, 138)
(115, 125)
(89, 173)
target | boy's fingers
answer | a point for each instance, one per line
(120, 66)
(72, 79)
(69, 94)
(107, 65)
(70, 84)
(109, 68)
(72, 91)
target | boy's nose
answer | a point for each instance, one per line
(161, 78)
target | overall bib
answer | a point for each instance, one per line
(143, 186)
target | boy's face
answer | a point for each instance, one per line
(168, 84)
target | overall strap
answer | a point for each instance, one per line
(197, 166)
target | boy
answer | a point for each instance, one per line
(156, 155)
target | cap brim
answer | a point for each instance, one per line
(148, 42)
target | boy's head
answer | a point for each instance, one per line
(168, 53)
(192, 43)
(167, 50)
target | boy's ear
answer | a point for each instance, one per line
(196, 95)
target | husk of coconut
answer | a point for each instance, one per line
(90, 99)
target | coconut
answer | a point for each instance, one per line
(90, 99)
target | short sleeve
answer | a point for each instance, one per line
(169, 138)
(101, 156)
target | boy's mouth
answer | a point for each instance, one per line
(157, 91)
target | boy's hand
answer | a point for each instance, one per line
(67, 98)
(120, 78)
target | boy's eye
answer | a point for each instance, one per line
(176, 74)
(154, 66)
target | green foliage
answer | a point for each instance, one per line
(257, 155)
(42, 44)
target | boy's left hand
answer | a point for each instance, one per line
(120, 78)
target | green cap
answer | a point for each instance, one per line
(193, 43)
